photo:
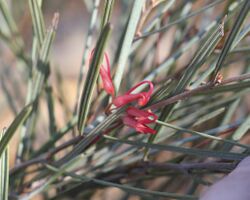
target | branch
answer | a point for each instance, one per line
(45, 158)
(208, 86)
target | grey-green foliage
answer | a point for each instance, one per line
(198, 119)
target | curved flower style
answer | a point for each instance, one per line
(135, 118)
(140, 127)
(142, 97)
(142, 116)
(106, 75)
(138, 119)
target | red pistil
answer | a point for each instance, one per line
(128, 97)
(106, 75)
(135, 118)
(138, 119)
(142, 116)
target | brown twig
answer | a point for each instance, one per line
(123, 174)
(45, 158)
(145, 15)
(208, 86)
(211, 166)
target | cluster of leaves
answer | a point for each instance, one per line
(100, 152)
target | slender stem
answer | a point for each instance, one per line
(212, 166)
(92, 25)
(208, 86)
(166, 27)
(44, 158)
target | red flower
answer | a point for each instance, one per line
(106, 75)
(142, 116)
(142, 97)
(135, 118)
(138, 119)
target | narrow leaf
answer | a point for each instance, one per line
(21, 117)
(89, 38)
(236, 28)
(242, 130)
(91, 78)
(128, 188)
(202, 134)
(4, 172)
(127, 41)
(183, 150)
(37, 20)
(109, 4)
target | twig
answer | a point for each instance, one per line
(45, 158)
(166, 27)
(25, 164)
(208, 86)
(212, 166)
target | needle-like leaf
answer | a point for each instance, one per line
(91, 79)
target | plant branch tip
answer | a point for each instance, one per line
(4, 129)
(55, 20)
(222, 26)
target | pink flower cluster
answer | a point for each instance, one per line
(134, 117)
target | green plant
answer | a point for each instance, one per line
(198, 131)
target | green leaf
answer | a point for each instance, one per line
(92, 135)
(127, 41)
(92, 77)
(37, 20)
(42, 70)
(51, 110)
(242, 130)
(109, 4)
(4, 172)
(210, 116)
(21, 117)
(203, 134)
(236, 28)
(179, 20)
(41, 73)
(183, 150)
(89, 38)
(239, 37)
(12, 36)
(127, 188)
(48, 182)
